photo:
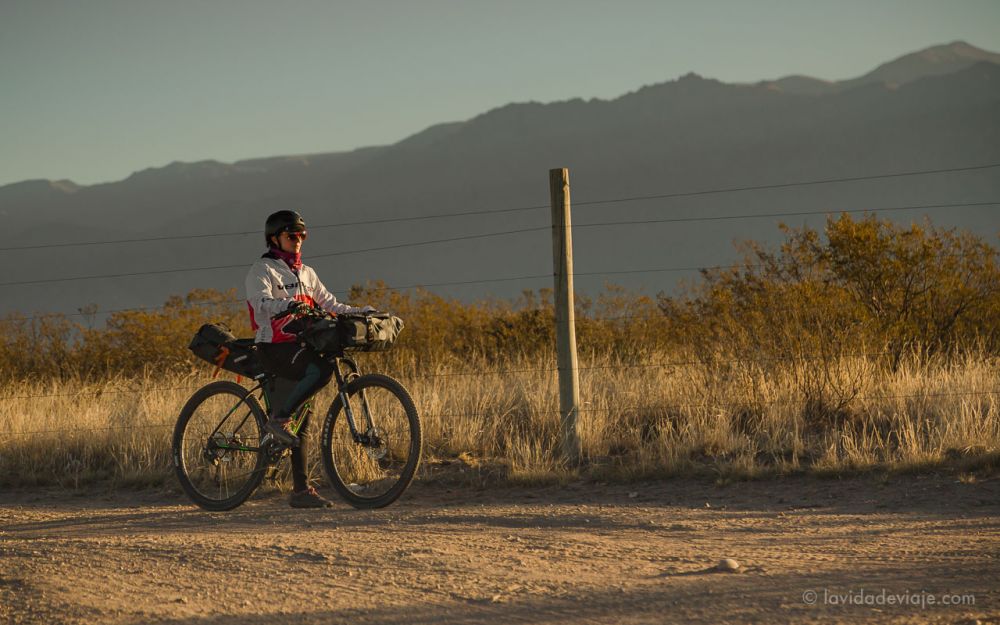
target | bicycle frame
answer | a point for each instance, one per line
(300, 415)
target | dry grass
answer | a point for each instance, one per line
(735, 420)
(753, 370)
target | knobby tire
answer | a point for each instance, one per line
(183, 465)
(336, 448)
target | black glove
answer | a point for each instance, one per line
(296, 307)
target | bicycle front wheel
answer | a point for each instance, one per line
(216, 446)
(372, 464)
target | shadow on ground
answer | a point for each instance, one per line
(715, 598)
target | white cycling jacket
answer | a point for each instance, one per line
(272, 286)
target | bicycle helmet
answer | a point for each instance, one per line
(282, 221)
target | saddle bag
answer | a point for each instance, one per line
(216, 344)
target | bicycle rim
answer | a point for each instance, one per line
(374, 471)
(216, 446)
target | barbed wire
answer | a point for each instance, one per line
(99, 392)
(94, 429)
(707, 361)
(847, 396)
(242, 302)
(479, 236)
(666, 404)
(742, 360)
(580, 274)
(474, 237)
(259, 232)
(802, 183)
(385, 220)
(788, 214)
(546, 370)
(645, 406)
(244, 265)
(650, 315)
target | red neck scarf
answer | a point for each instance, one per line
(292, 259)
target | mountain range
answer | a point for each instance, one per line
(934, 109)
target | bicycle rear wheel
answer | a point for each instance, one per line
(373, 468)
(216, 446)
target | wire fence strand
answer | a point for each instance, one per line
(476, 237)
(495, 211)
(786, 185)
(663, 405)
(502, 371)
(521, 278)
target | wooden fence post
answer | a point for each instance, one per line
(562, 265)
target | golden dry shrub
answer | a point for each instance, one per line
(866, 344)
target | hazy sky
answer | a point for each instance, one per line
(94, 90)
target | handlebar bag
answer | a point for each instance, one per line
(322, 335)
(381, 333)
(352, 332)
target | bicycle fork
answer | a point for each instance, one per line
(362, 438)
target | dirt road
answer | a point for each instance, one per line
(857, 550)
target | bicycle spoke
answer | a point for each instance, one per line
(232, 477)
(218, 447)
(370, 467)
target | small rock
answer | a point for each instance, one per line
(728, 565)
(181, 600)
(309, 556)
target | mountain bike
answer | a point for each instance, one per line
(370, 441)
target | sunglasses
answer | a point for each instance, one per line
(295, 236)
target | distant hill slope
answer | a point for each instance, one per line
(933, 61)
(684, 135)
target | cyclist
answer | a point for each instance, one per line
(279, 283)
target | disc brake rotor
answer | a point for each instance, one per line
(376, 448)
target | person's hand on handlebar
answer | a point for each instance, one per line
(371, 311)
(295, 307)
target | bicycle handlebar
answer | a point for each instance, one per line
(308, 311)
(319, 313)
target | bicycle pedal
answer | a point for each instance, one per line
(268, 440)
